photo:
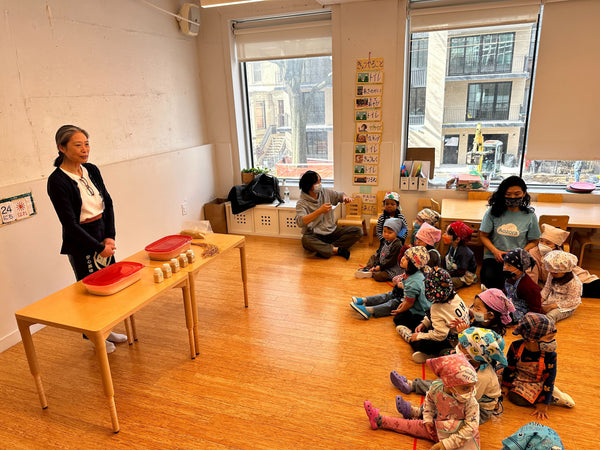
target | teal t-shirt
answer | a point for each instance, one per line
(510, 230)
(414, 287)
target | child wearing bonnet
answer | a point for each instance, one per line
(562, 293)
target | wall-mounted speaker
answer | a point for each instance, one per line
(192, 13)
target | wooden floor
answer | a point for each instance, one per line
(290, 371)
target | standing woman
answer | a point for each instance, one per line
(84, 208)
(509, 223)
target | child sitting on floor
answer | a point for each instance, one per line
(426, 215)
(384, 263)
(460, 260)
(428, 236)
(407, 301)
(524, 293)
(528, 380)
(450, 411)
(490, 309)
(432, 335)
(484, 350)
(562, 293)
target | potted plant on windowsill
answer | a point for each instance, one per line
(249, 174)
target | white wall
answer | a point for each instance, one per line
(123, 71)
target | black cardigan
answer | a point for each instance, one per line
(66, 198)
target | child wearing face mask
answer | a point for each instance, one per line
(426, 215)
(407, 301)
(484, 350)
(528, 379)
(432, 335)
(460, 260)
(562, 293)
(450, 410)
(384, 264)
(524, 293)
(491, 309)
(552, 239)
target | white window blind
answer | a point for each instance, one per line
(451, 15)
(566, 95)
(283, 37)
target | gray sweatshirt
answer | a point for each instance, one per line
(325, 223)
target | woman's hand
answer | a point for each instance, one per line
(541, 411)
(107, 252)
(347, 199)
(498, 254)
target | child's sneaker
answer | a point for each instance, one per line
(361, 309)
(358, 300)
(363, 273)
(420, 357)
(559, 398)
(404, 332)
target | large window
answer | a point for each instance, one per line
(291, 115)
(479, 81)
(482, 88)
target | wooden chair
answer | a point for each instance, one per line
(561, 222)
(585, 240)
(428, 203)
(550, 198)
(353, 215)
(478, 195)
(373, 220)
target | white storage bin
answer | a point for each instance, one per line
(266, 221)
(287, 223)
(240, 223)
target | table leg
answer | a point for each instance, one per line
(34, 367)
(194, 308)
(107, 383)
(242, 248)
(190, 317)
(128, 331)
(133, 328)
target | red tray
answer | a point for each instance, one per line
(113, 278)
(168, 247)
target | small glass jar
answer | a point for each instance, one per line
(183, 261)
(166, 270)
(190, 255)
(174, 265)
(158, 275)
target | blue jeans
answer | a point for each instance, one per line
(383, 304)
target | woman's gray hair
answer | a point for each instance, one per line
(62, 138)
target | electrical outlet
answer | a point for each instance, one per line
(184, 209)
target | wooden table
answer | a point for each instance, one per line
(581, 215)
(73, 308)
(224, 242)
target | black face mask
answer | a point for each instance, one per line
(513, 202)
(508, 274)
